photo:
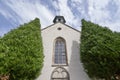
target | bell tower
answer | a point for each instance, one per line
(59, 19)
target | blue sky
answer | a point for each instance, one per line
(16, 12)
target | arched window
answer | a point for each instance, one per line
(60, 73)
(60, 56)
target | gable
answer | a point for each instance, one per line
(61, 26)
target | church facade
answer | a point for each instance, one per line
(61, 45)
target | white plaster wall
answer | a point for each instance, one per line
(72, 38)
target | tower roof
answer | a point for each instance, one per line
(59, 19)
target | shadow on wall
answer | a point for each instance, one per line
(76, 70)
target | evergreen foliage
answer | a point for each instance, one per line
(100, 51)
(21, 52)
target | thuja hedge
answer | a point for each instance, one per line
(21, 52)
(100, 51)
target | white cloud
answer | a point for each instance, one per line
(65, 10)
(117, 13)
(67, 13)
(5, 13)
(94, 10)
(97, 10)
(45, 15)
(101, 15)
(28, 11)
(79, 1)
(113, 26)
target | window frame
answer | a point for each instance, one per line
(53, 56)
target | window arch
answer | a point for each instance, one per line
(60, 73)
(60, 55)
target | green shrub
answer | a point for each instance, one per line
(21, 52)
(100, 51)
